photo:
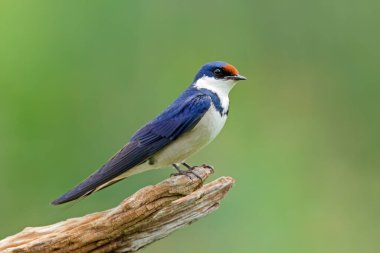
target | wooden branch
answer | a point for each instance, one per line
(147, 216)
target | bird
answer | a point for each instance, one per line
(191, 122)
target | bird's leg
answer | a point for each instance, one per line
(203, 165)
(188, 166)
(185, 172)
(190, 170)
(178, 169)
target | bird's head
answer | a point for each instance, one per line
(217, 76)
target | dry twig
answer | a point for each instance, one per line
(148, 215)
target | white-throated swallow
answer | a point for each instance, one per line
(192, 121)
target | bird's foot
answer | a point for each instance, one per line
(187, 172)
(203, 165)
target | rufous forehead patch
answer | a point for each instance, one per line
(231, 69)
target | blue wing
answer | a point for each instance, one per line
(176, 120)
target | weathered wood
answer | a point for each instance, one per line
(147, 216)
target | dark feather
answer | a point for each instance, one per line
(177, 119)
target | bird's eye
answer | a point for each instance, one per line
(218, 72)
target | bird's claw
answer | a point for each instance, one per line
(187, 173)
(203, 165)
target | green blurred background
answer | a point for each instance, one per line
(77, 78)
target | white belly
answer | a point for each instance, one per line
(179, 150)
(202, 134)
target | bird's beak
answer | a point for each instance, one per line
(237, 78)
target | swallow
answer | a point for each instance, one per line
(191, 122)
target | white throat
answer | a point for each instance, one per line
(219, 86)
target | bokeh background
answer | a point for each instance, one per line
(77, 78)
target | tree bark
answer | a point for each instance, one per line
(147, 216)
